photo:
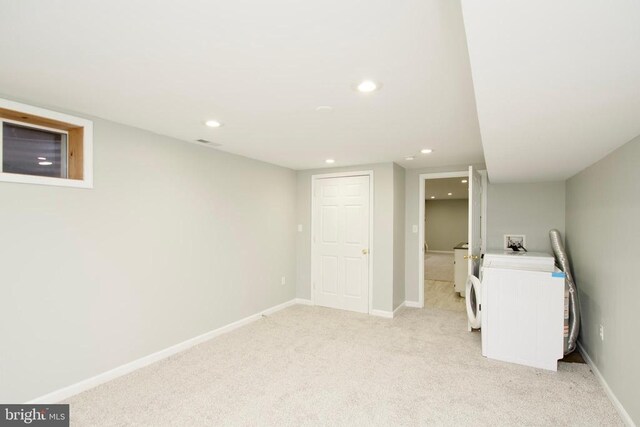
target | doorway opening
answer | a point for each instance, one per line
(451, 232)
(446, 232)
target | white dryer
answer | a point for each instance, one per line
(518, 302)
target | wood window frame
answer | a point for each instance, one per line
(79, 133)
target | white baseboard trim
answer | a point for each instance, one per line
(398, 308)
(303, 301)
(388, 314)
(89, 383)
(626, 418)
(382, 313)
(441, 252)
(413, 304)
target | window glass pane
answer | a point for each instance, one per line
(32, 151)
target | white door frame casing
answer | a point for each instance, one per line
(314, 179)
(421, 202)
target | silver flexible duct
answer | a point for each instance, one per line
(574, 306)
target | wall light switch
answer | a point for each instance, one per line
(299, 228)
(283, 281)
(414, 228)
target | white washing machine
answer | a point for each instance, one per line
(518, 302)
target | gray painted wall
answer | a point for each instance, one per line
(398, 234)
(382, 255)
(171, 243)
(603, 208)
(413, 258)
(446, 223)
(529, 209)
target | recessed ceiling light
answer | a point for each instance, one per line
(409, 158)
(449, 194)
(213, 123)
(324, 109)
(433, 197)
(426, 151)
(42, 158)
(45, 163)
(464, 181)
(367, 86)
(330, 161)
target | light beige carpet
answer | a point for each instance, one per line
(318, 366)
(439, 294)
(438, 266)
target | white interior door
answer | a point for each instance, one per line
(475, 220)
(340, 260)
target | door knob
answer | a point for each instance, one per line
(365, 251)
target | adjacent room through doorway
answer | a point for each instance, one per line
(446, 225)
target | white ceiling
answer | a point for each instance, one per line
(259, 67)
(557, 83)
(441, 187)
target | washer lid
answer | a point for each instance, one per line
(473, 299)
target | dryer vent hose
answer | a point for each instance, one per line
(574, 306)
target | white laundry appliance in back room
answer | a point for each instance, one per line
(518, 302)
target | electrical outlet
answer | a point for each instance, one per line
(601, 332)
(414, 228)
(283, 281)
(299, 228)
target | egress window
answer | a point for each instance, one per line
(39, 146)
(34, 151)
